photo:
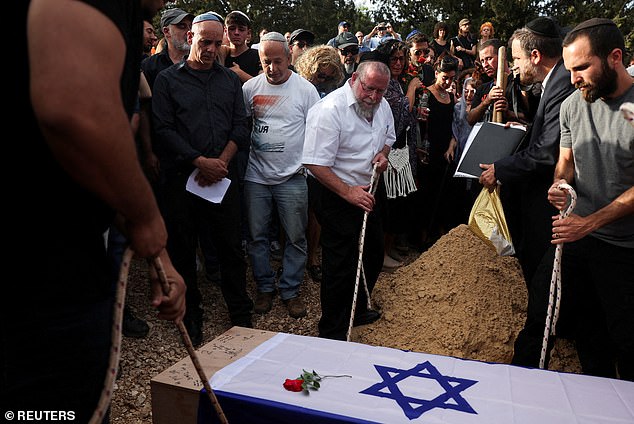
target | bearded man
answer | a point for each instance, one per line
(348, 132)
(536, 51)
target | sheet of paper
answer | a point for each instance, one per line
(213, 193)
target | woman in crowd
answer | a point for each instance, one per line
(486, 33)
(435, 177)
(440, 42)
(398, 180)
(321, 66)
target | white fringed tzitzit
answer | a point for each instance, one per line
(373, 185)
(554, 298)
(115, 349)
(399, 181)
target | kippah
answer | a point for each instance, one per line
(273, 36)
(414, 32)
(544, 26)
(207, 16)
(237, 12)
(594, 22)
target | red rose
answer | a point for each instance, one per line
(293, 385)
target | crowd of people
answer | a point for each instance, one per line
(315, 143)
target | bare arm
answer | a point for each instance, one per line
(81, 113)
(575, 227)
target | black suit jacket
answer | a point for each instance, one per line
(539, 157)
(527, 175)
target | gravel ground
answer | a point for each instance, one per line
(142, 359)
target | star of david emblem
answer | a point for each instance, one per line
(413, 407)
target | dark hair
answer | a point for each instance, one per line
(238, 18)
(446, 63)
(529, 41)
(439, 26)
(462, 76)
(389, 47)
(602, 38)
(495, 42)
(419, 37)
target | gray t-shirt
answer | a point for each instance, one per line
(602, 143)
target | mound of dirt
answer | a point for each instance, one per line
(459, 298)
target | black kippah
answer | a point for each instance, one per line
(594, 22)
(546, 27)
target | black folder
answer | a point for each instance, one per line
(487, 143)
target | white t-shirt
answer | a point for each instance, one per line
(279, 120)
(337, 137)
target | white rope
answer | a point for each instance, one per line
(115, 349)
(373, 185)
(554, 299)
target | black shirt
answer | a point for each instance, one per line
(196, 113)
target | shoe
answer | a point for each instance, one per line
(296, 308)
(394, 254)
(263, 302)
(195, 330)
(390, 264)
(367, 317)
(214, 277)
(276, 250)
(244, 324)
(132, 326)
(314, 271)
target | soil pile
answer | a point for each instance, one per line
(459, 298)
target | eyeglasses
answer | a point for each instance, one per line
(367, 89)
(301, 44)
(394, 59)
(349, 50)
(324, 77)
(418, 52)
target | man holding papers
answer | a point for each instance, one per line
(200, 122)
(536, 51)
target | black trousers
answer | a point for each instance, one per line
(188, 218)
(341, 225)
(597, 308)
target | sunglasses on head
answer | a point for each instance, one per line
(349, 50)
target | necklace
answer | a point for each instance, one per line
(442, 93)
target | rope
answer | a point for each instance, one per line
(373, 186)
(554, 299)
(115, 350)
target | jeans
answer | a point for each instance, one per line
(291, 198)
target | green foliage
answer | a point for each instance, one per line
(322, 16)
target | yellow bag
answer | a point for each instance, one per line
(487, 221)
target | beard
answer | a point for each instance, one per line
(529, 76)
(364, 110)
(349, 67)
(604, 85)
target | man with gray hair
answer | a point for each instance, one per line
(275, 181)
(348, 133)
(175, 23)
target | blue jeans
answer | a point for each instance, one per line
(291, 198)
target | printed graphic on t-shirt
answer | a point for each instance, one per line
(265, 106)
